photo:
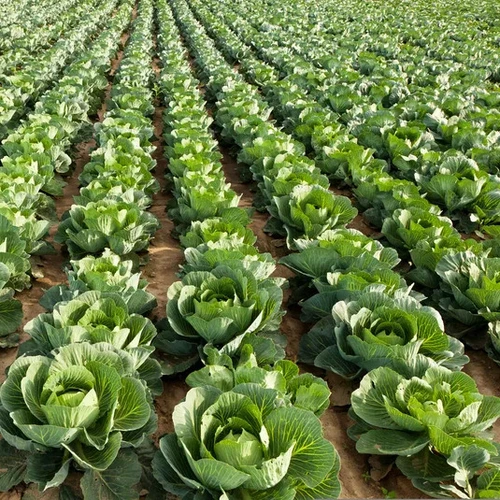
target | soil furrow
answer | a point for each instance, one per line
(165, 257)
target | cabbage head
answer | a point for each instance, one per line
(245, 443)
(218, 306)
(376, 329)
(122, 227)
(309, 210)
(436, 423)
(106, 273)
(82, 405)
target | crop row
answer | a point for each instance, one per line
(226, 308)
(25, 50)
(420, 128)
(365, 331)
(21, 90)
(82, 387)
(29, 25)
(35, 152)
(89, 322)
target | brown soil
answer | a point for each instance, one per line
(165, 254)
(165, 257)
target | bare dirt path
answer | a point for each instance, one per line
(165, 253)
(165, 257)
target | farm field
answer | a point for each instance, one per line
(249, 249)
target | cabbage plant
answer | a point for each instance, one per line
(471, 284)
(202, 203)
(455, 184)
(208, 256)
(11, 310)
(487, 207)
(279, 180)
(338, 249)
(126, 125)
(206, 162)
(232, 226)
(131, 189)
(468, 472)
(119, 157)
(436, 423)
(302, 390)
(406, 228)
(82, 405)
(340, 157)
(31, 229)
(34, 168)
(107, 273)
(122, 227)
(376, 329)
(97, 317)
(218, 306)
(440, 409)
(247, 442)
(307, 211)
(93, 317)
(351, 283)
(426, 254)
(381, 195)
(13, 255)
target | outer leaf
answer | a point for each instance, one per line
(385, 442)
(12, 466)
(116, 482)
(312, 456)
(330, 487)
(48, 469)
(467, 461)
(90, 457)
(133, 410)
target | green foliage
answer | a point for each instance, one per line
(122, 227)
(438, 409)
(220, 308)
(13, 256)
(376, 330)
(230, 227)
(253, 443)
(471, 285)
(307, 211)
(107, 273)
(11, 311)
(92, 317)
(82, 405)
(303, 391)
